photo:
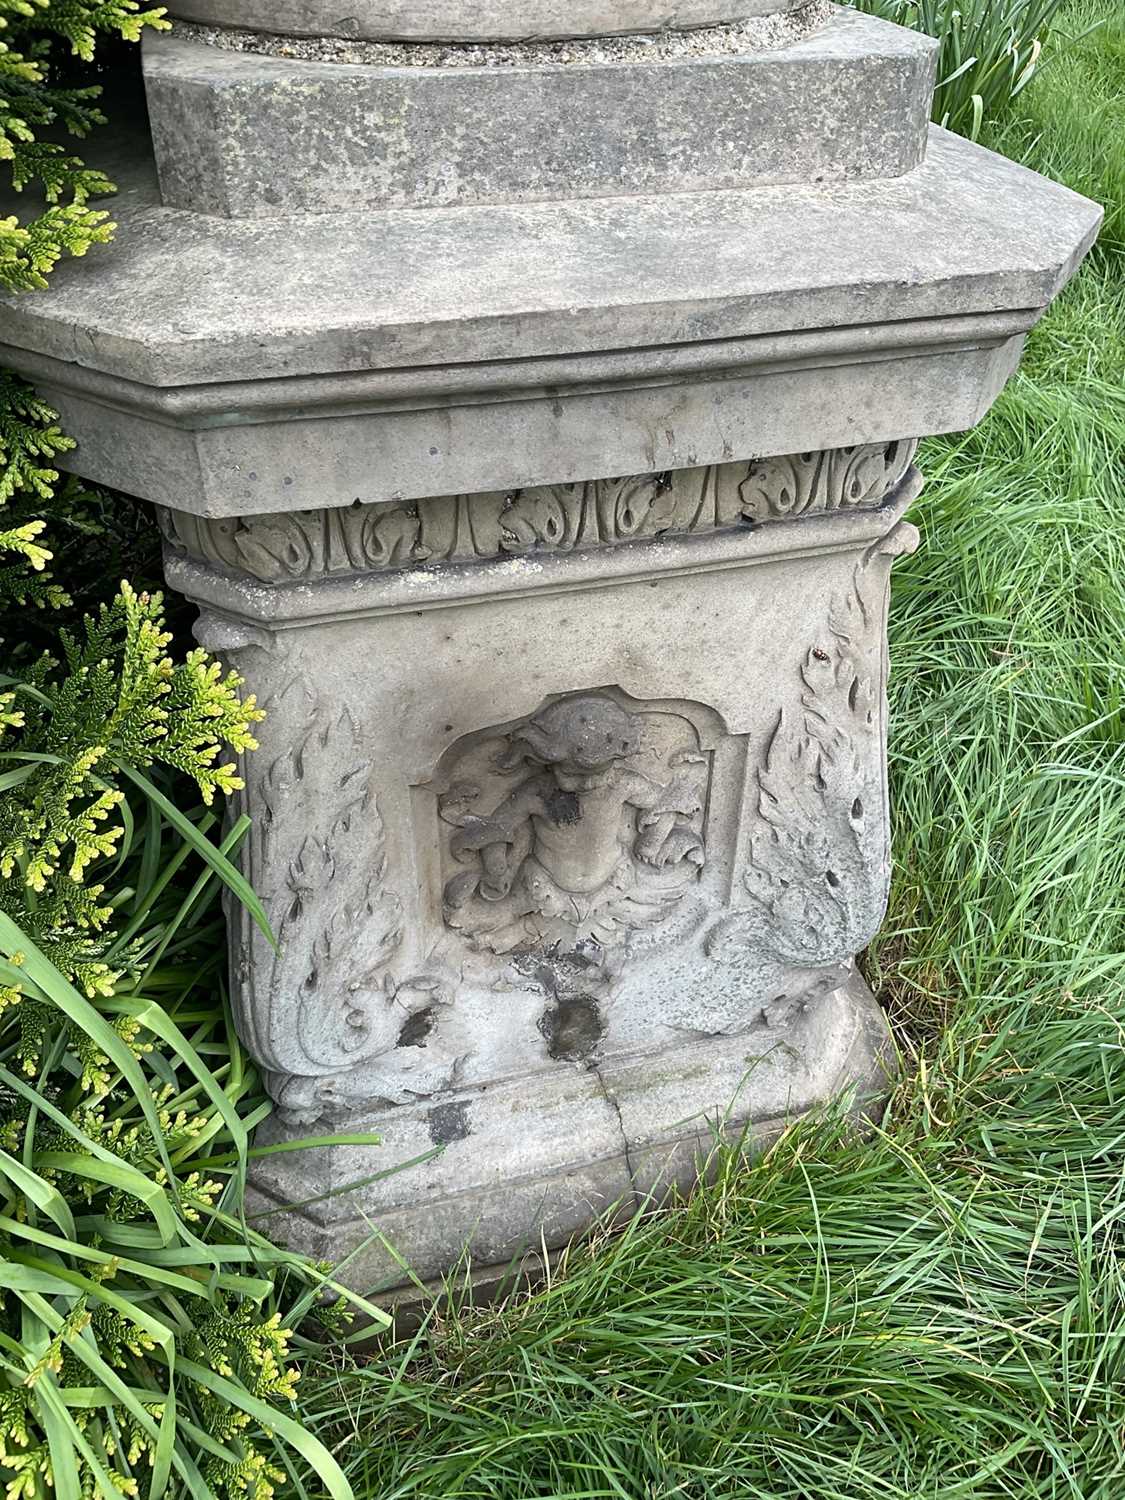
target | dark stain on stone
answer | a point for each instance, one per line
(573, 1027)
(448, 1123)
(563, 807)
(417, 1028)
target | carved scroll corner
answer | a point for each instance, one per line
(298, 1098)
(221, 634)
(828, 480)
(903, 540)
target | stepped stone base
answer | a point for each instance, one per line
(266, 368)
(534, 1162)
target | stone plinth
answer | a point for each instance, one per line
(554, 534)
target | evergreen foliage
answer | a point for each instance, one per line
(145, 1330)
(119, 702)
(30, 439)
(33, 34)
(145, 1341)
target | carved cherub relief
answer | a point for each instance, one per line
(601, 833)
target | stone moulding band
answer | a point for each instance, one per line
(237, 605)
(348, 392)
(308, 545)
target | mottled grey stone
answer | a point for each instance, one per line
(575, 876)
(480, 20)
(374, 296)
(248, 136)
(556, 540)
(532, 1166)
(344, 541)
(668, 409)
(550, 832)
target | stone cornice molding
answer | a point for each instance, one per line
(282, 398)
(328, 296)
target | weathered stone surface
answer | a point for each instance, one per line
(248, 136)
(571, 807)
(966, 234)
(546, 519)
(539, 1161)
(584, 861)
(626, 808)
(214, 451)
(266, 369)
(471, 20)
(732, 39)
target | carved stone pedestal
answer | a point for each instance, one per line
(570, 811)
(569, 831)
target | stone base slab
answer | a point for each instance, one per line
(530, 1163)
(266, 369)
(242, 320)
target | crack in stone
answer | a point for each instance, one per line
(630, 1166)
(572, 1026)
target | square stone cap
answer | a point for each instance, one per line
(243, 135)
(182, 299)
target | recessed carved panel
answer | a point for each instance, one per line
(577, 826)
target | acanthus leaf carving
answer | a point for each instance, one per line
(819, 865)
(328, 999)
(800, 484)
(331, 543)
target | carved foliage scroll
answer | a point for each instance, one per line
(819, 865)
(311, 544)
(324, 999)
(802, 484)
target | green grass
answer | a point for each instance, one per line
(989, 51)
(940, 1313)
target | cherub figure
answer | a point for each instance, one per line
(567, 851)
